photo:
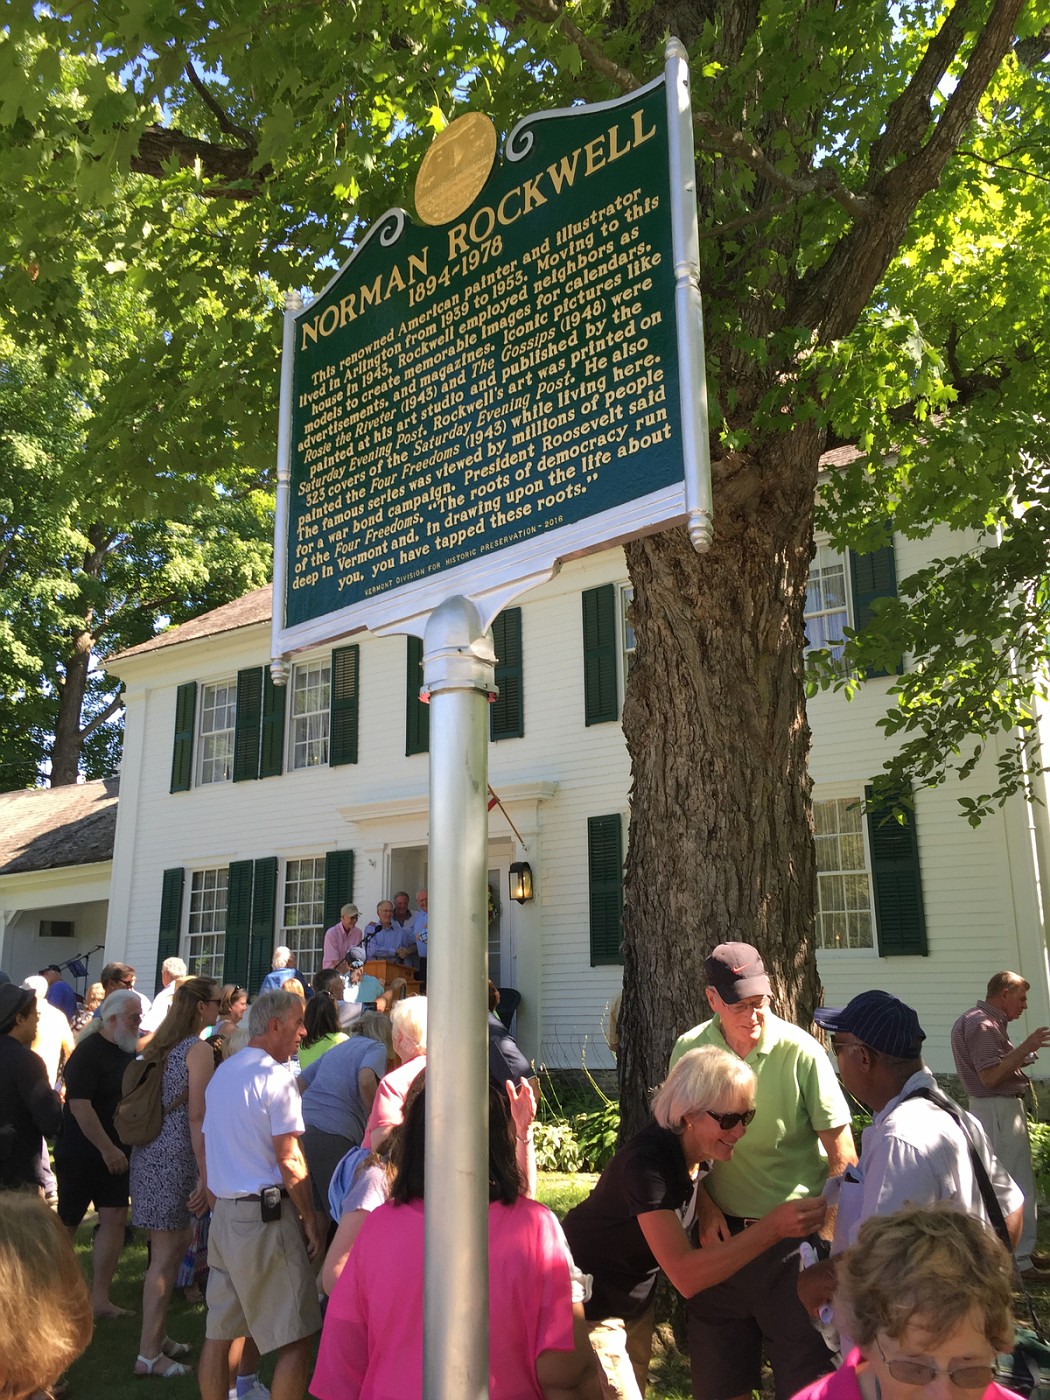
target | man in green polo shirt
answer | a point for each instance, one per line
(800, 1135)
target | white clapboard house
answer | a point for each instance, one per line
(248, 814)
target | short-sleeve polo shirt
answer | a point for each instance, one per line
(780, 1157)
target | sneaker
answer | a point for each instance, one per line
(257, 1392)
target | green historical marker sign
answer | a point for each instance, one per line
(465, 404)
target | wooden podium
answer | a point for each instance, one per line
(386, 969)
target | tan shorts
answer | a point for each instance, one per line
(623, 1350)
(261, 1281)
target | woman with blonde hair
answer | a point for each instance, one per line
(636, 1220)
(926, 1295)
(45, 1322)
(168, 1181)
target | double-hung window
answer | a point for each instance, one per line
(869, 879)
(218, 717)
(311, 718)
(206, 934)
(302, 926)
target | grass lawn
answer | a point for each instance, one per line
(104, 1372)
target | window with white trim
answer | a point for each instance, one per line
(206, 936)
(302, 920)
(627, 637)
(845, 913)
(218, 717)
(311, 707)
(827, 602)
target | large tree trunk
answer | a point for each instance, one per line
(721, 829)
(69, 731)
(65, 752)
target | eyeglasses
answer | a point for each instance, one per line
(745, 1008)
(841, 1046)
(212, 1001)
(730, 1120)
(923, 1372)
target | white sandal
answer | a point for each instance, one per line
(174, 1368)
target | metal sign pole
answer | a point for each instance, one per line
(459, 673)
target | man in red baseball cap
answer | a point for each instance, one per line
(800, 1134)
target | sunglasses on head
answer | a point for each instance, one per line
(730, 1120)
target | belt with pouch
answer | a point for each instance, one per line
(257, 1196)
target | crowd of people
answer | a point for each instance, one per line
(274, 1146)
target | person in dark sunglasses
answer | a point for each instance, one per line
(638, 1218)
(926, 1294)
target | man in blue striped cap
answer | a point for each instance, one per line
(921, 1146)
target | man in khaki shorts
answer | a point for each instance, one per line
(261, 1281)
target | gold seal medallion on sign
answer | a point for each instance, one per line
(453, 172)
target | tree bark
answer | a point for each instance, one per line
(69, 736)
(721, 831)
(65, 751)
(723, 850)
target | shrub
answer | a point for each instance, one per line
(579, 1134)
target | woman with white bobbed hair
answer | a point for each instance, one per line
(637, 1219)
(408, 1029)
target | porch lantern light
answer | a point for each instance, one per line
(520, 875)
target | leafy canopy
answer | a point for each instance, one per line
(872, 181)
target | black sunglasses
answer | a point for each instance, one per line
(730, 1120)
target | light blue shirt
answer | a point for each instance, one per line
(380, 942)
(419, 931)
(332, 1102)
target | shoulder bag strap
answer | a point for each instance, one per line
(987, 1190)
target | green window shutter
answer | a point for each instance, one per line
(600, 691)
(897, 883)
(872, 576)
(342, 745)
(417, 715)
(238, 923)
(271, 756)
(182, 752)
(247, 725)
(264, 908)
(170, 917)
(338, 884)
(605, 887)
(507, 713)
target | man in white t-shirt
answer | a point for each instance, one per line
(261, 1280)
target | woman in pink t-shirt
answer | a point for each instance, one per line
(926, 1293)
(372, 1342)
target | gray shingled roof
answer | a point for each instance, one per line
(242, 612)
(42, 828)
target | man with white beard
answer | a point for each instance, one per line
(90, 1161)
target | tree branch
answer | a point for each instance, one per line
(909, 115)
(713, 134)
(114, 705)
(757, 216)
(226, 124)
(158, 144)
(1033, 50)
(831, 298)
(823, 181)
(550, 12)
